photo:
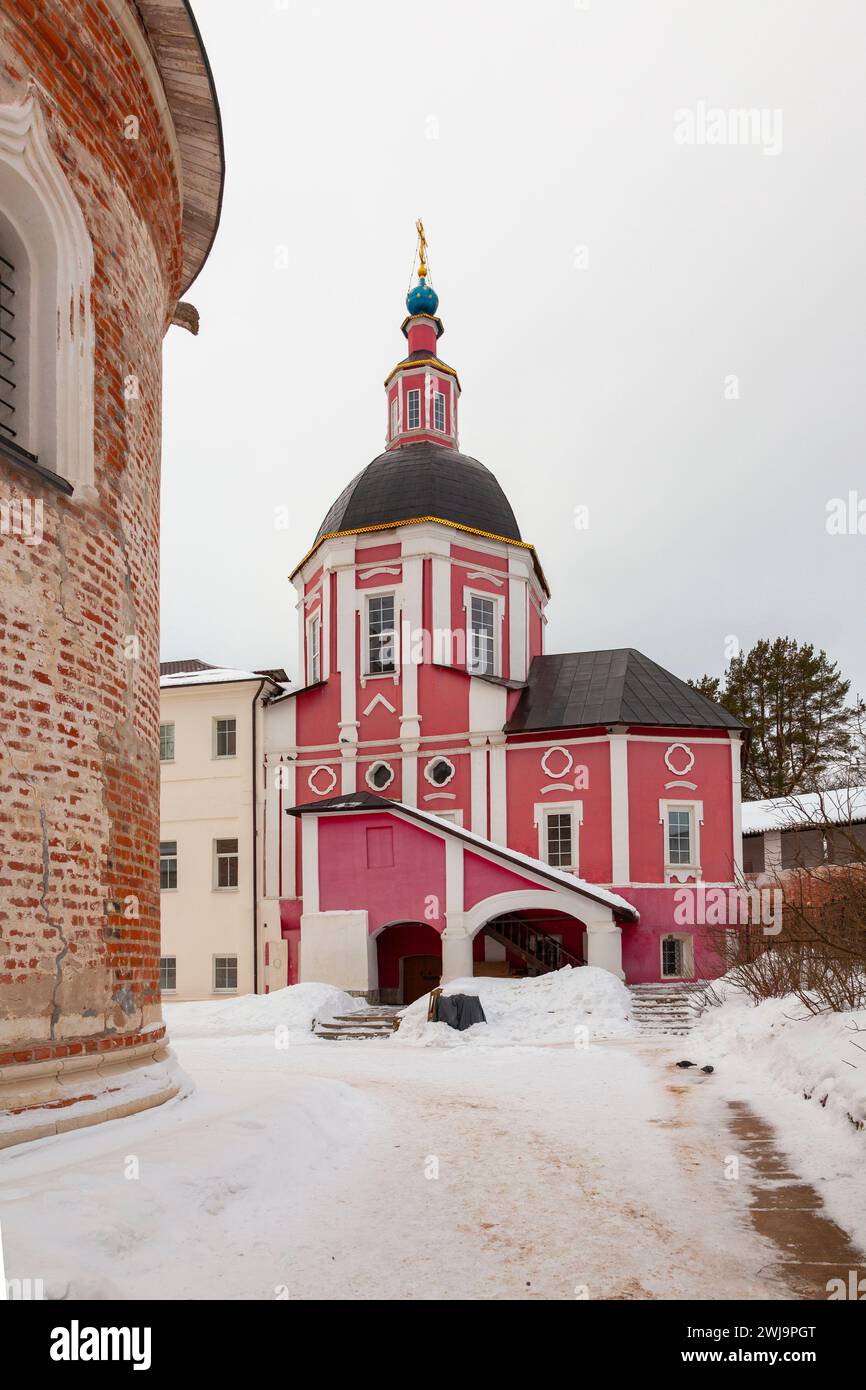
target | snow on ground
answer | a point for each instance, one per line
(293, 1010)
(548, 1009)
(380, 1170)
(809, 1074)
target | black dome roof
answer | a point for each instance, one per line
(423, 480)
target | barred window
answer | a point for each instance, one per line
(672, 956)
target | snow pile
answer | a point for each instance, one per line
(819, 1056)
(547, 1009)
(294, 1009)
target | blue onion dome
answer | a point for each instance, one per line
(423, 299)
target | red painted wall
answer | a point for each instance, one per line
(390, 893)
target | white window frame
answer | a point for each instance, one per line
(395, 416)
(167, 724)
(687, 942)
(415, 391)
(226, 854)
(498, 601)
(680, 873)
(224, 989)
(428, 770)
(176, 858)
(368, 776)
(224, 719)
(168, 989)
(314, 651)
(443, 428)
(369, 675)
(53, 257)
(543, 809)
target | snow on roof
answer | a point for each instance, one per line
(370, 801)
(840, 807)
(214, 675)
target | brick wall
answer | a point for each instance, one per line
(79, 663)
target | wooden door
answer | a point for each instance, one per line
(420, 975)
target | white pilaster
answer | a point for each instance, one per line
(737, 806)
(604, 947)
(619, 808)
(498, 790)
(310, 862)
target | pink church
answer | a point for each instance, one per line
(446, 798)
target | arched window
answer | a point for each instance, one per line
(47, 268)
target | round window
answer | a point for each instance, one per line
(380, 776)
(439, 771)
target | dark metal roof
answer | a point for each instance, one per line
(422, 480)
(182, 668)
(580, 689)
(369, 801)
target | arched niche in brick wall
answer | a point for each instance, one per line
(44, 229)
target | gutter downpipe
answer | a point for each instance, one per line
(255, 783)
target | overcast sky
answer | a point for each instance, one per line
(669, 334)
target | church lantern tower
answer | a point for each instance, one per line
(422, 391)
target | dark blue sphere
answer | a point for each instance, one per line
(423, 299)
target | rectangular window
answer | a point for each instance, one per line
(482, 636)
(225, 738)
(413, 406)
(166, 743)
(167, 973)
(226, 863)
(679, 836)
(672, 956)
(167, 864)
(558, 839)
(314, 652)
(225, 974)
(381, 635)
(439, 411)
(394, 418)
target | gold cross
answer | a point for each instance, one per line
(422, 242)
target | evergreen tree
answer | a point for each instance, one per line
(793, 700)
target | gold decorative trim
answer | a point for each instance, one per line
(422, 362)
(419, 521)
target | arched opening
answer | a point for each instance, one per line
(409, 958)
(527, 942)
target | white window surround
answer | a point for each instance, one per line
(56, 370)
(314, 647)
(439, 409)
(223, 988)
(364, 596)
(413, 400)
(368, 776)
(687, 943)
(680, 873)
(542, 810)
(428, 770)
(498, 601)
(395, 417)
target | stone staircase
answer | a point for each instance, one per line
(376, 1022)
(667, 1009)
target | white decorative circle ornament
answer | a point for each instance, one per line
(379, 776)
(439, 771)
(689, 759)
(313, 785)
(567, 764)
